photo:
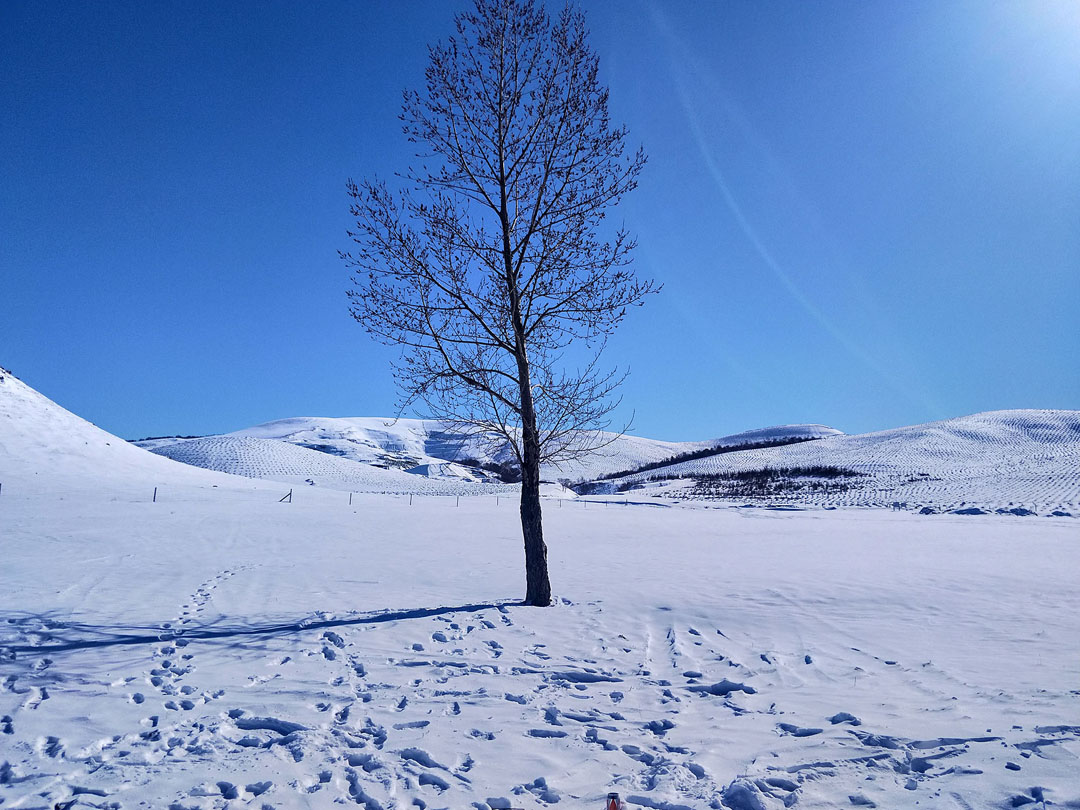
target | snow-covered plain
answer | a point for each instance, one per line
(219, 649)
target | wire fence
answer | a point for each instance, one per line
(164, 495)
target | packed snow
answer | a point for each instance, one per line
(218, 648)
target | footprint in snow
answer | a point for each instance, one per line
(51, 747)
(334, 639)
(540, 789)
(38, 695)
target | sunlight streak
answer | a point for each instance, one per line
(676, 61)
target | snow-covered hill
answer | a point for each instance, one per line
(412, 443)
(427, 447)
(630, 452)
(45, 445)
(1019, 459)
(1000, 460)
(282, 461)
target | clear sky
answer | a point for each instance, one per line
(864, 214)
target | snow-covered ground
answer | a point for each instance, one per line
(217, 648)
(220, 650)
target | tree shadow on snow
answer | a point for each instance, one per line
(54, 635)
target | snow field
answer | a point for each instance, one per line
(225, 652)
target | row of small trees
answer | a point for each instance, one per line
(706, 452)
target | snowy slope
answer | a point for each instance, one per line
(630, 452)
(999, 459)
(402, 443)
(411, 443)
(44, 445)
(775, 433)
(282, 461)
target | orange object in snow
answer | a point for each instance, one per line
(613, 802)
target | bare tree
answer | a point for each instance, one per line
(492, 268)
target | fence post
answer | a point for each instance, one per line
(155, 495)
(410, 499)
(350, 499)
(286, 498)
(458, 501)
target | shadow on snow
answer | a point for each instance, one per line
(78, 636)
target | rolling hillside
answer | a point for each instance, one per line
(412, 443)
(432, 448)
(1020, 459)
(282, 461)
(43, 445)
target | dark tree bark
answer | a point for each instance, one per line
(493, 260)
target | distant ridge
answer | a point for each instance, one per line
(997, 460)
(1018, 461)
(408, 444)
(253, 457)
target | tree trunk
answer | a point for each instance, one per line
(537, 585)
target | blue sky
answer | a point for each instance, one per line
(864, 214)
